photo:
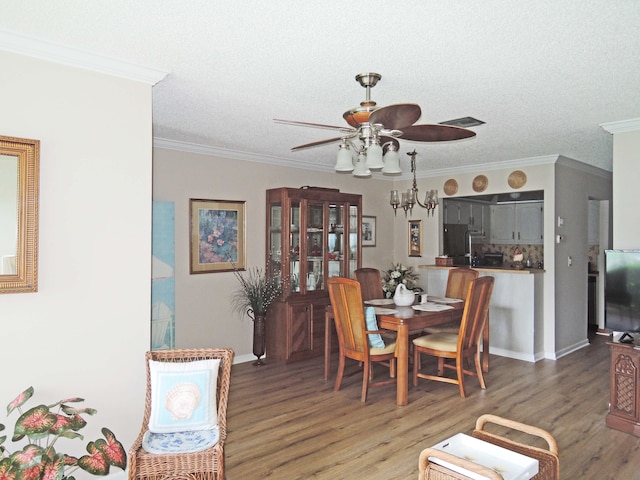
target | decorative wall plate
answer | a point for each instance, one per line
(451, 187)
(480, 183)
(517, 179)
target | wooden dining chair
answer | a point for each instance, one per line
(353, 336)
(458, 282)
(458, 347)
(370, 283)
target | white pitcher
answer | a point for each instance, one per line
(403, 297)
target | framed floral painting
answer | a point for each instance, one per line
(218, 236)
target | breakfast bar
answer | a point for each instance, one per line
(515, 311)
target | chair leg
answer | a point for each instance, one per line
(416, 366)
(340, 374)
(479, 371)
(392, 368)
(440, 366)
(460, 373)
(367, 371)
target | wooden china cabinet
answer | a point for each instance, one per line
(312, 234)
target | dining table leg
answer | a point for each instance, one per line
(402, 376)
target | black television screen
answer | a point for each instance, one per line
(622, 290)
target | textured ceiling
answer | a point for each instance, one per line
(543, 75)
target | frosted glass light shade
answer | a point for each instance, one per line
(344, 162)
(360, 169)
(391, 162)
(395, 199)
(374, 157)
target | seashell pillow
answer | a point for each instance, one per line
(183, 396)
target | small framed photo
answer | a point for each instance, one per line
(415, 238)
(218, 236)
(368, 231)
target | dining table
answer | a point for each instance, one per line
(406, 320)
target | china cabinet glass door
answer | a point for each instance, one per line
(336, 241)
(275, 240)
(315, 246)
(354, 240)
(294, 246)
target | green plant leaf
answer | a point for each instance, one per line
(28, 457)
(69, 434)
(53, 469)
(113, 449)
(5, 468)
(35, 422)
(19, 400)
(96, 462)
(72, 410)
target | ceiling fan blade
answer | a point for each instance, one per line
(314, 125)
(435, 133)
(316, 144)
(396, 117)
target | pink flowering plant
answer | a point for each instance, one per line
(42, 426)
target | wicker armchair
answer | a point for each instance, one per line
(204, 465)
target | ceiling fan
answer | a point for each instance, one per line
(378, 129)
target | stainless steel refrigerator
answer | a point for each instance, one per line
(456, 243)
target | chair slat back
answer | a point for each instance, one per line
(458, 282)
(475, 313)
(370, 283)
(348, 312)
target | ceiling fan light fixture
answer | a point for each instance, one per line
(344, 162)
(374, 156)
(360, 169)
(391, 161)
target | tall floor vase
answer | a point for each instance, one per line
(258, 335)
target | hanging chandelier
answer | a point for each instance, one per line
(409, 198)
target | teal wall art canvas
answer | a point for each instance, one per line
(162, 277)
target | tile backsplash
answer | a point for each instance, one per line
(536, 252)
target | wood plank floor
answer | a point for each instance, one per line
(286, 422)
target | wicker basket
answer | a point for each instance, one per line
(548, 461)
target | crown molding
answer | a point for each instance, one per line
(271, 160)
(584, 167)
(622, 126)
(236, 155)
(52, 52)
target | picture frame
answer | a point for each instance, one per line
(368, 231)
(217, 236)
(415, 238)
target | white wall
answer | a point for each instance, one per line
(576, 184)
(626, 172)
(85, 331)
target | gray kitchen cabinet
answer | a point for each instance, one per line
(517, 223)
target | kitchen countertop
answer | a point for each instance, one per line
(525, 271)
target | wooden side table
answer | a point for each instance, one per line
(624, 408)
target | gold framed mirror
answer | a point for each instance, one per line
(19, 188)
